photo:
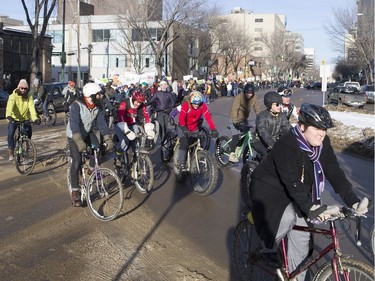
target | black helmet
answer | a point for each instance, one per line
(284, 91)
(249, 88)
(270, 98)
(315, 115)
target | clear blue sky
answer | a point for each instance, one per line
(305, 16)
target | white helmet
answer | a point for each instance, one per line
(91, 89)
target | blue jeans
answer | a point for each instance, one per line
(12, 126)
(45, 108)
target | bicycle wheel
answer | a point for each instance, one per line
(51, 120)
(246, 172)
(104, 194)
(222, 151)
(245, 253)
(205, 139)
(144, 176)
(373, 239)
(355, 270)
(203, 173)
(180, 177)
(25, 156)
(167, 145)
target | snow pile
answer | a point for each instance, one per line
(353, 132)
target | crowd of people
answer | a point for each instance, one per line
(285, 190)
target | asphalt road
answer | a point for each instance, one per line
(171, 234)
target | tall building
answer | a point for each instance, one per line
(310, 58)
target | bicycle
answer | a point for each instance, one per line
(223, 150)
(51, 119)
(201, 167)
(101, 188)
(138, 165)
(24, 150)
(249, 264)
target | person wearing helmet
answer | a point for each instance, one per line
(242, 105)
(131, 115)
(286, 187)
(271, 123)
(191, 113)
(287, 107)
(162, 102)
(85, 113)
(70, 95)
(20, 107)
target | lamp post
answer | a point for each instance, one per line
(107, 56)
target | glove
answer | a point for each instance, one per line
(214, 133)
(322, 213)
(184, 129)
(37, 121)
(239, 126)
(108, 141)
(149, 129)
(361, 207)
(11, 119)
(81, 145)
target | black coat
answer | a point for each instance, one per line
(286, 175)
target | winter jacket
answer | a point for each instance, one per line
(286, 175)
(131, 115)
(241, 108)
(189, 116)
(82, 120)
(20, 108)
(271, 127)
(162, 100)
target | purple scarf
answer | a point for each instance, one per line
(314, 154)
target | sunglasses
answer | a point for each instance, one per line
(22, 88)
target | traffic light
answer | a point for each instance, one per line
(63, 57)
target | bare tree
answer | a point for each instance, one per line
(179, 16)
(352, 28)
(42, 9)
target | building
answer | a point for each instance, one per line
(15, 57)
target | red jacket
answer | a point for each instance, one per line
(127, 113)
(189, 116)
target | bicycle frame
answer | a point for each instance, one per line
(334, 245)
(246, 142)
(195, 146)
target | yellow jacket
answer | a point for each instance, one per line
(20, 108)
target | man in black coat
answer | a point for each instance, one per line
(286, 186)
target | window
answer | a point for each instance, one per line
(258, 20)
(258, 49)
(140, 35)
(101, 35)
(258, 29)
(56, 36)
(147, 62)
(257, 39)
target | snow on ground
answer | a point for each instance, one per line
(355, 119)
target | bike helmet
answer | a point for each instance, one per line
(196, 98)
(91, 89)
(270, 98)
(249, 88)
(138, 96)
(284, 91)
(315, 115)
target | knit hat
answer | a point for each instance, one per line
(23, 84)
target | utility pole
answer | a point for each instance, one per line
(79, 46)
(63, 55)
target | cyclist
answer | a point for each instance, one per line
(70, 94)
(271, 123)
(287, 107)
(85, 112)
(20, 106)
(38, 91)
(131, 114)
(286, 187)
(163, 101)
(239, 113)
(189, 118)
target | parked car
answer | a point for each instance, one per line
(349, 96)
(54, 91)
(368, 91)
(352, 84)
(3, 103)
(314, 86)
